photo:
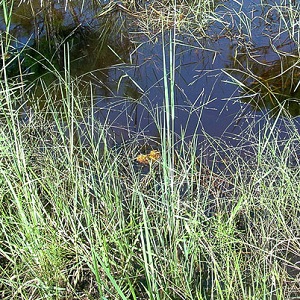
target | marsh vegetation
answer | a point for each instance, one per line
(150, 150)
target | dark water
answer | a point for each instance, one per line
(220, 108)
(128, 80)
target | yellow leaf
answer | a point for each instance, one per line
(142, 159)
(147, 159)
(154, 155)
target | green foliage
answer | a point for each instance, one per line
(82, 220)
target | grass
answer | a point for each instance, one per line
(83, 220)
(76, 223)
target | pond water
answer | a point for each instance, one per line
(244, 68)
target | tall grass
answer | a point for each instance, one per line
(81, 220)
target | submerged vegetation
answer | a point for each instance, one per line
(91, 209)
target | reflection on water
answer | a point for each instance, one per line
(37, 18)
(60, 37)
(127, 80)
(271, 86)
(266, 69)
(278, 84)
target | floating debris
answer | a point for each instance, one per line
(150, 158)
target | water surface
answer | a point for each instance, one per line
(222, 80)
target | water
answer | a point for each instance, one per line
(222, 81)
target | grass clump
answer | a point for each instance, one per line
(80, 219)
